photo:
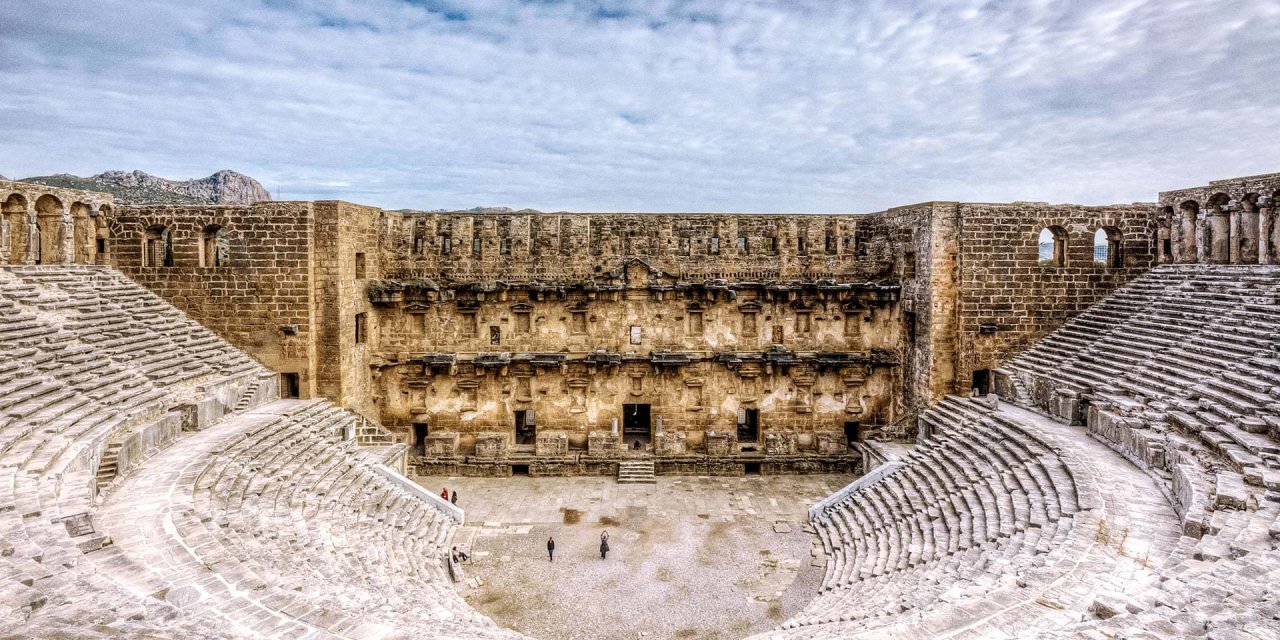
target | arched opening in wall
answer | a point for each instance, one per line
(14, 211)
(215, 251)
(49, 228)
(1053, 247)
(157, 247)
(1107, 247)
(1189, 213)
(83, 233)
(1218, 229)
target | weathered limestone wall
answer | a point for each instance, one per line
(50, 225)
(569, 317)
(259, 297)
(1234, 221)
(346, 243)
(1007, 299)
(560, 247)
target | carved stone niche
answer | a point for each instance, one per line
(602, 444)
(670, 443)
(578, 394)
(832, 442)
(491, 445)
(552, 443)
(780, 443)
(721, 443)
(854, 401)
(442, 444)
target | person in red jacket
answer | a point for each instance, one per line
(445, 494)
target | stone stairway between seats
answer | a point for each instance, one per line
(636, 472)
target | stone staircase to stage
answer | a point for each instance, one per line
(636, 472)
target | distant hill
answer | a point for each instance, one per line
(136, 187)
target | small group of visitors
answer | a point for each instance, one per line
(447, 497)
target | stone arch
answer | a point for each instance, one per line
(49, 230)
(1052, 244)
(1217, 229)
(1108, 248)
(215, 251)
(13, 217)
(157, 246)
(82, 233)
(1189, 215)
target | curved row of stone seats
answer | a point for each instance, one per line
(128, 322)
(65, 401)
(275, 523)
(1200, 413)
(1046, 556)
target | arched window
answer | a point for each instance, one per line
(157, 247)
(48, 249)
(14, 211)
(1053, 247)
(1106, 248)
(214, 248)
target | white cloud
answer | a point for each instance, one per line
(660, 106)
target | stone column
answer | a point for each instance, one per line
(1266, 219)
(5, 242)
(68, 240)
(1233, 232)
(33, 235)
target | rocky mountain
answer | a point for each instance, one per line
(137, 187)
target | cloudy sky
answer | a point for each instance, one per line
(840, 106)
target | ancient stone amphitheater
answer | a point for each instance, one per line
(1111, 469)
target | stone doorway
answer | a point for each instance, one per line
(420, 431)
(853, 432)
(748, 426)
(635, 424)
(526, 427)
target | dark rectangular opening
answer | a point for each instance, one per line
(635, 423)
(853, 432)
(361, 330)
(289, 387)
(748, 425)
(1167, 248)
(526, 427)
(751, 468)
(102, 246)
(519, 469)
(420, 431)
(982, 381)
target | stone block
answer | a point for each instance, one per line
(552, 443)
(831, 442)
(442, 444)
(492, 444)
(670, 443)
(780, 443)
(721, 443)
(602, 444)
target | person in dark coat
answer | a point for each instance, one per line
(454, 497)
(604, 544)
(551, 549)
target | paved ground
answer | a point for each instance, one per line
(691, 557)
